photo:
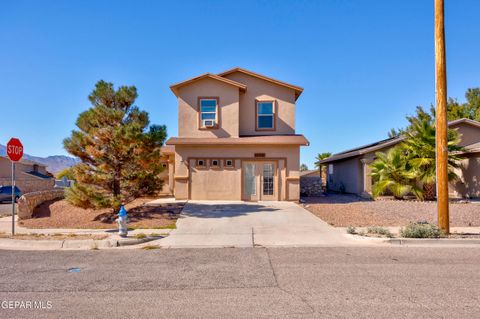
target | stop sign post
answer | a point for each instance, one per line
(15, 153)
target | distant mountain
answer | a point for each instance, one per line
(54, 163)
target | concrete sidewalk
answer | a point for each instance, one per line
(248, 224)
(6, 228)
(113, 240)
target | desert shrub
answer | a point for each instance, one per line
(351, 230)
(379, 231)
(421, 230)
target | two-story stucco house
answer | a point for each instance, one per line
(236, 138)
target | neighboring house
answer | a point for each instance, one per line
(349, 171)
(236, 138)
(29, 176)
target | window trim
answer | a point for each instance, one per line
(274, 110)
(199, 112)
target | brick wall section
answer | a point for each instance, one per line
(28, 185)
(310, 186)
(28, 202)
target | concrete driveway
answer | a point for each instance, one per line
(246, 224)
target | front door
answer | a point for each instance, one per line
(259, 181)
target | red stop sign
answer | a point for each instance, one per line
(14, 149)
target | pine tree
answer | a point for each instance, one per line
(118, 149)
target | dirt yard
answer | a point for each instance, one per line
(348, 210)
(61, 214)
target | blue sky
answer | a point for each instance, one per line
(363, 65)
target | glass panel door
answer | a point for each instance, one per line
(250, 181)
(268, 179)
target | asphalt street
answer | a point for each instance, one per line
(391, 282)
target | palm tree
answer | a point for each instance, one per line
(419, 147)
(392, 172)
(321, 168)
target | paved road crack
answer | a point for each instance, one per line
(291, 293)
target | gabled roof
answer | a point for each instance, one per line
(243, 140)
(373, 147)
(298, 90)
(176, 86)
(464, 120)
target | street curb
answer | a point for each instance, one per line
(432, 241)
(71, 244)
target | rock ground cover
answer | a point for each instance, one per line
(61, 214)
(349, 210)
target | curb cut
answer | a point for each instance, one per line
(71, 244)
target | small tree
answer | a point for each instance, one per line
(303, 167)
(66, 172)
(119, 151)
(416, 157)
(392, 172)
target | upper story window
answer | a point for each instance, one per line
(208, 112)
(265, 115)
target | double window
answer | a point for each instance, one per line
(208, 112)
(265, 115)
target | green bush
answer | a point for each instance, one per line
(351, 230)
(379, 231)
(421, 230)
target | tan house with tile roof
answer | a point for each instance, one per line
(349, 171)
(236, 139)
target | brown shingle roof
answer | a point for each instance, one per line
(243, 140)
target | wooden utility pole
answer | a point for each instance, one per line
(441, 118)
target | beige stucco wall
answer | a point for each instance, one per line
(470, 134)
(468, 184)
(348, 173)
(226, 183)
(167, 174)
(188, 108)
(263, 90)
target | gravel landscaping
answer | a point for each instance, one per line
(349, 210)
(61, 214)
